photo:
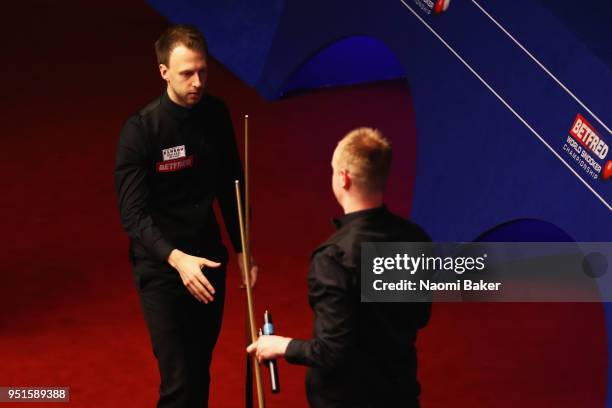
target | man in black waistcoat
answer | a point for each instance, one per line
(361, 354)
(175, 157)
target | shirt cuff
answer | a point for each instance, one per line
(295, 351)
(162, 249)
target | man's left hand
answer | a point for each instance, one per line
(269, 347)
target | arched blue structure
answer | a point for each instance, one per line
(349, 61)
(524, 230)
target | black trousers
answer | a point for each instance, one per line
(343, 389)
(183, 333)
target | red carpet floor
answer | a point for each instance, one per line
(70, 314)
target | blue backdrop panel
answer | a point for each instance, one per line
(589, 21)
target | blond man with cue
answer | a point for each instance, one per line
(361, 354)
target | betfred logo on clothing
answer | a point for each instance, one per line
(174, 165)
(586, 135)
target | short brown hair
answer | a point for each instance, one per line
(366, 154)
(180, 34)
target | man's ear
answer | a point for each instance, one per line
(345, 178)
(163, 71)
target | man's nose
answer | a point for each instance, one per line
(197, 81)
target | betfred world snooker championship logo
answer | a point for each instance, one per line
(588, 149)
(435, 6)
(441, 6)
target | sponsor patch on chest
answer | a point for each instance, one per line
(173, 153)
(174, 165)
(174, 159)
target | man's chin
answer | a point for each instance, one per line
(193, 98)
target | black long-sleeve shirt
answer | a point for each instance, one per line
(172, 162)
(361, 354)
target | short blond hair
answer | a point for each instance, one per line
(366, 154)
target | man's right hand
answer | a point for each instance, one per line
(190, 269)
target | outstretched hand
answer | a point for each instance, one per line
(190, 269)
